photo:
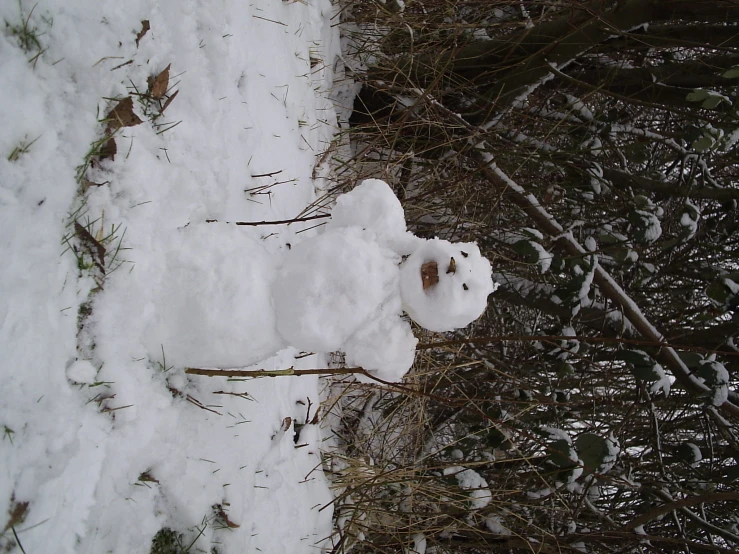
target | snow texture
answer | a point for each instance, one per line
(108, 448)
(330, 285)
(495, 525)
(214, 308)
(469, 480)
(373, 207)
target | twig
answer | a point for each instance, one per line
(267, 174)
(275, 222)
(325, 371)
(196, 402)
(273, 373)
(550, 338)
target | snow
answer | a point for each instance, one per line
(469, 480)
(419, 545)
(459, 297)
(545, 258)
(663, 381)
(731, 285)
(689, 219)
(495, 525)
(360, 276)
(715, 375)
(82, 372)
(202, 314)
(695, 454)
(609, 460)
(652, 229)
(534, 233)
(112, 442)
(373, 207)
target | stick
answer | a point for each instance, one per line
(276, 222)
(273, 372)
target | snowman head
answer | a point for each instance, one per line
(445, 286)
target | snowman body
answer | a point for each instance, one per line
(345, 289)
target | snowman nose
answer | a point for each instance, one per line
(452, 266)
(429, 274)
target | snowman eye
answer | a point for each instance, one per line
(465, 254)
(465, 287)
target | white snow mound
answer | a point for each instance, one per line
(386, 347)
(214, 306)
(461, 294)
(373, 206)
(329, 286)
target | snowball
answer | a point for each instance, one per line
(460, 295)
(82, 371)
(330, 285)
(214, 306)
(374, 207)
(385, 347)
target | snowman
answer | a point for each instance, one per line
(232, 303)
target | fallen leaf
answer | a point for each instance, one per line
(109, 149)
(86, 182)
(286, 423)
(16, 513)
(169, 101)
(147, 478)
(221, 513)
(159, 84)
(144, 29)
(122, 115)
(95, 249)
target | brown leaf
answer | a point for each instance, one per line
(429, 274)
(122, 115)
(169, 101)
(286, 423)
(86, 182)
(158, 86)
(147, 478)
(109, 149)
(221, 513)
(95, 249)
(16, 513)
(144, 29)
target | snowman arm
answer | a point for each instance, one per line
(385, 347)
(371, 205)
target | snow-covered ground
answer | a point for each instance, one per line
(104, 443)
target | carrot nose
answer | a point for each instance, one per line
(452, 266)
